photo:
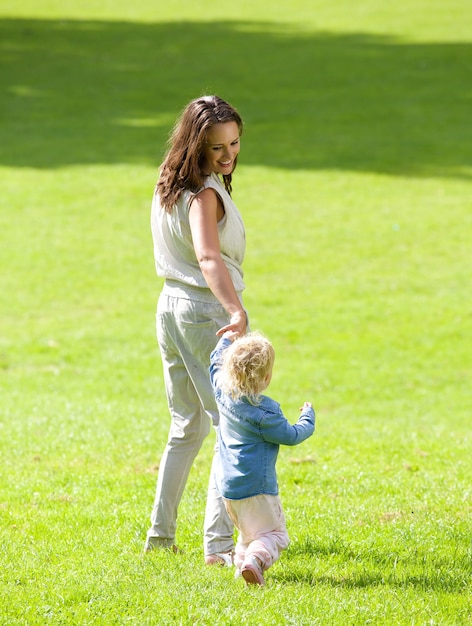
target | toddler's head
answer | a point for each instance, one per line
(247, 366)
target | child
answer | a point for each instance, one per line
(251, 428)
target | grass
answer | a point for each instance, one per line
(355, 185)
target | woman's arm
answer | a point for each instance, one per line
(205, 210)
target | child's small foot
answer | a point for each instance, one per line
(251, 571)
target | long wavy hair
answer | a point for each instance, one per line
(182, 166)
(246, 363)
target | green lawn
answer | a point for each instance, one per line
(355, 182)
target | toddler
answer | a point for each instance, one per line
(252, 426)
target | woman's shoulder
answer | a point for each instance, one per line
(213, 182)
(208, 183)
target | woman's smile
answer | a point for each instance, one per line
(222, 147)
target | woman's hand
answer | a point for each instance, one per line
(236, 327)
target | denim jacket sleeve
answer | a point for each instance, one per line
(275, 428)
(215, 360)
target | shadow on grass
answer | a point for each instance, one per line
(371, 568)
(360, 580)
(88, 92)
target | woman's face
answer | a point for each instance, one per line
(221, 148)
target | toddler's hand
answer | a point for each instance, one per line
(306, 405)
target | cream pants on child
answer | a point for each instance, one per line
(260, 521)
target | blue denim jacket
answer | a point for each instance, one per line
(249, 438)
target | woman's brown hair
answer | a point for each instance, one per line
(182, 166)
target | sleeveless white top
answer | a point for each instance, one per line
(173, 246)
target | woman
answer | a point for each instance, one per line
(199, 245)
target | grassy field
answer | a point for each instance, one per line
(355, 182)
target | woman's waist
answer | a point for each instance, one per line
(179, 289)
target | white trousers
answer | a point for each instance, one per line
(260, 521)
(186, 332)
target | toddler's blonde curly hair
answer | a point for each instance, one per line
(245, 366)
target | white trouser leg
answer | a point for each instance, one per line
(218, 526)
(186, 333)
